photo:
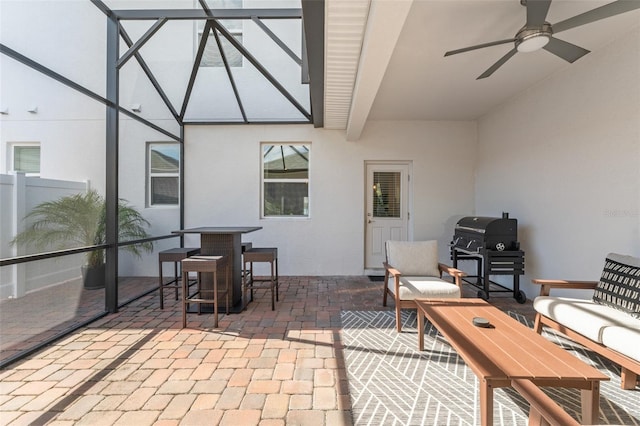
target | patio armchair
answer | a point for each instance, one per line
(412, 271)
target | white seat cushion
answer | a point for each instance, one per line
(425, 288)
(624, 340)
(583, 316)
(415, 258)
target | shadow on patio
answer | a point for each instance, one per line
(139, 366)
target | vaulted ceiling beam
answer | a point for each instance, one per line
(384, 24)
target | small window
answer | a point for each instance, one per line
(285, 176)
(163, 171)
(211, 56)
(387, 188)
(26, 159)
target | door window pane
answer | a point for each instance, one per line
(386, 194)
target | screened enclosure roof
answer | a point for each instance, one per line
(206, 61)
(222, 61)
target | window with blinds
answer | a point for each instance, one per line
(386, 194)
(26, 159)
(163, 174)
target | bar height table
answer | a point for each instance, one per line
(224, 241)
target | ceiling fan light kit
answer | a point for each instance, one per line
(530, 40)
(538, 34)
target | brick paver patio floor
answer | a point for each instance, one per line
(259, 367)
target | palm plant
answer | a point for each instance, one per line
(79, 220)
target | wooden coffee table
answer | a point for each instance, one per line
(506, 351)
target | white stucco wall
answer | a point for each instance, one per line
(222, 180)
(564, 159)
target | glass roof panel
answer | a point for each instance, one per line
(138, 95)
(169, 54)
(284, 64)
(262, 100)
(212, 98)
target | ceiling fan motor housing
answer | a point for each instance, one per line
(529, 39)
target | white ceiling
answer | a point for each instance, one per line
(421, 84)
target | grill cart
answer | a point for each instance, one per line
(493, 244)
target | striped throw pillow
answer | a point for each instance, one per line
(619, 285)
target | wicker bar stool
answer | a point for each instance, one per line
(175, 256)
(249, 282)
(202, 264)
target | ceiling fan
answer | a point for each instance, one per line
(539, 34)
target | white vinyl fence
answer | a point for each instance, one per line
(19, 194)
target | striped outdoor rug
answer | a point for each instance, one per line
(392, 383)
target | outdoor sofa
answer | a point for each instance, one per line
(608, 323)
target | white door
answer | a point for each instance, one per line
(387, 209)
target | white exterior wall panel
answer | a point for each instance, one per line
(223, 187)
(564, 159)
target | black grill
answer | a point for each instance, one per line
(474, 234)
(492, 243)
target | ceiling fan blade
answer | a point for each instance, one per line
(479, 46)
(602, 12)
(498, 64)
(565, 50)
(537, 12)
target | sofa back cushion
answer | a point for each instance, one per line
(415, 258)
(619, 286)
